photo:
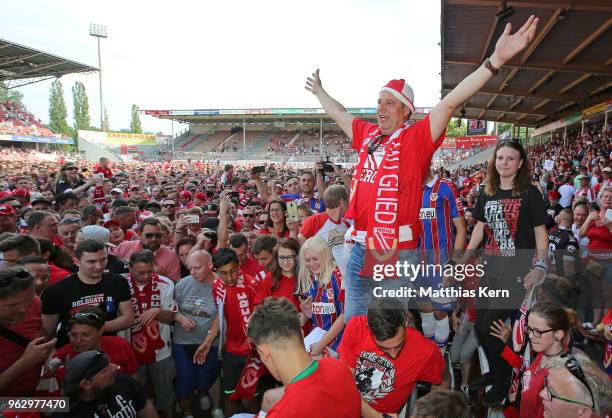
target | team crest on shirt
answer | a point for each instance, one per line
(433, 197)
(330, 294)
(374, 376)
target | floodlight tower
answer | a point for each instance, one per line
(99, 31)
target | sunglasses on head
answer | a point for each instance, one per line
(14, 275)
(86, 315)
(573, 366)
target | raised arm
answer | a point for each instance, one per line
(507, 47)
(334, 109)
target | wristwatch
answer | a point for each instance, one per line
(489, 66)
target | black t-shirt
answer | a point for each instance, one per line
(70, 295)
(62, 186)
(124, 398)
(563, 245)
(509, 223)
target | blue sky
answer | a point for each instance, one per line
(230, 54)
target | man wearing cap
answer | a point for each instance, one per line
(393, 160)
(169, 209)
(8, 218)
(186, 202)
(102, 235)
(116, 193)
(22, 196)
(95, 389)
(584, 190)
(40, 202)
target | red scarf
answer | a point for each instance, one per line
(145, 340)
(253, 368)
(382, 234)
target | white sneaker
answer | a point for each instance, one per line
(218, 413)
(205, 402)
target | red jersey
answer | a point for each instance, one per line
(118, 349)
(252, 268)
(28, 328)
(386, 383)
(311, 397)
(238, 306)
(286, 288)
(104, 170)
(417, 148)
(57, 274)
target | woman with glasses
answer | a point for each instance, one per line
(321, 293)
(282, 279)
(70, 181)
(511, 219)
(548, 330)
(277, 221)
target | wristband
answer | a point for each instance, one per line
(541, 265)
(489, 66)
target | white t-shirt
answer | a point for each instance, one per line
(320, 224)
(567, 193)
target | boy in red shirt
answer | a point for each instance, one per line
(234, 295)
(275, 330)
(387, 357)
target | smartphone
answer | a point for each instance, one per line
(98, 176)
(292, 212)
(609, 214)
(258, 169)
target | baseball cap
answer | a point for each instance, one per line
(607, 170)
(554, 195)
(110, 223)
(37, 197)
(21, 192)
(83, 366)
(116, 190)
(7, 210)
(402, 91)
(200, 196)
(169, 202)
(211, 223)
(186, 194)
(96, 233)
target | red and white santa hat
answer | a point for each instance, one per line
(402, 91)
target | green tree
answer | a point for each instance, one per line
(57, 109)
(80, 101)
(456, 127)
(504, 127)
(135, 125)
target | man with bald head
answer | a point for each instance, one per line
(195, 342)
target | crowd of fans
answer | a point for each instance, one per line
(17, 120)
(150, 272)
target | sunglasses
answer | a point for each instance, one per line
(248, 215)
(20, 274)
(70, 169)
(573, 366)
(70, 221)
(86, 315)
(169, 206)
(153, 235)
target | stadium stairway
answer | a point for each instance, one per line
(290, 143)
(257, 146)
(193, 140)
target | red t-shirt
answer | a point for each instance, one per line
(600, 239)
(386, 383)
(57, 274)
(533, 383)
(311, 396)
(104, 170)
(267, 231)
(252, 268)
(286, 288)
(416, 151)
(118, 349)
(237, 309)
(28, 328)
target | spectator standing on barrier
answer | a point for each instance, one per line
(23, 348)
(387, 357)
(393, 159)
(322, 388)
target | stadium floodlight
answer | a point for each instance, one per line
(99, 31)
